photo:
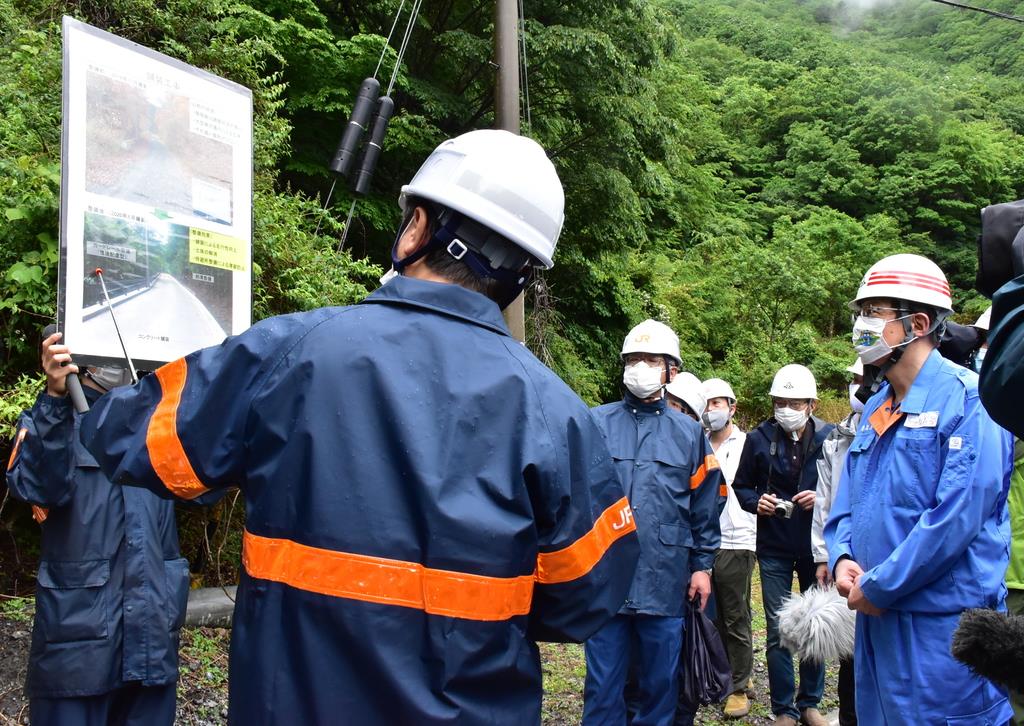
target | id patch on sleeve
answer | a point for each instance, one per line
(956, 443)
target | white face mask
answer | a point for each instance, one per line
(109, 378)
(868, 339)
(855, 403)
(715, 419)
(790, 419)
(642, 380)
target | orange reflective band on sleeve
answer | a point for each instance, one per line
(17, 445)
(166, 454)
(710, 464)
(387, 582)
(40, 513)
(723, 491)
(581, 556)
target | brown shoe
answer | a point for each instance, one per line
(737, 705)
(812, 717)
(784, 719)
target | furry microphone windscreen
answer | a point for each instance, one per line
(992, 645)
(817, 625)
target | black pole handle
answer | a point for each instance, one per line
(76, 393)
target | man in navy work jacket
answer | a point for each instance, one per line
(424, 499)
(112, 583)
(919, 530)
(776, 479)
(673, 483)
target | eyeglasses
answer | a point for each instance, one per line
(650, 359)
(797, 404)
(875, 311)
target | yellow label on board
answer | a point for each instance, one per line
(217, 250)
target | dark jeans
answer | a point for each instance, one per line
(776, 584)
(658, 640)
(733, 572)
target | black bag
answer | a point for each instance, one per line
(1000, 246)
(704, 672)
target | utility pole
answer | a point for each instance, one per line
(506, 111)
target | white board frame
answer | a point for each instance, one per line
(183, 207)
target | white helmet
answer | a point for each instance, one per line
(688, 389)
(985, 320)
(503, 181)
(905, 277)
(794, 381)
(650, 336)
(718, 388)
(857, 367)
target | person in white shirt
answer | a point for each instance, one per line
(830, 469)
(734, 562)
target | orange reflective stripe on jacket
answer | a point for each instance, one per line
(14, 449)
(166, 454)
(581, 556)
(710, 464)
(385, 581)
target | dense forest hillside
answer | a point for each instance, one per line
(731, 166)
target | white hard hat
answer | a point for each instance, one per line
(857, 367)
(794, 381)
(905, 277)
(985, 320)
(718, 388)
(688, 389)
(650, 336)
(503, 181)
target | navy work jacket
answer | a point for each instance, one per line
(424, 499)
(112, 584)
(1002, 375)
(764, 469)
(673, 482)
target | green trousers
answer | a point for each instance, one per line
(732, 574)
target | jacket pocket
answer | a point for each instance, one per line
(675, 535)
(177, 575)
(991, 716)
(72, 602)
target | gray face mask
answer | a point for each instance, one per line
(109, 377)
(716, 419)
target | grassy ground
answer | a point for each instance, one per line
(565, 670)
(202, 690)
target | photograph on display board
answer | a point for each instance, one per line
(140, 147)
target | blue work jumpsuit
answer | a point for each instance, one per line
(424, 500)
(112, 584)
(921, 507)
(674, 485)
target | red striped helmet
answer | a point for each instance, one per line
(905, 277)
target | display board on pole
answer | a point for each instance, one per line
(156, 191)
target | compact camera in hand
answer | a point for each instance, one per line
(784, 509)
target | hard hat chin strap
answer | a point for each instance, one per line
(461, 247)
